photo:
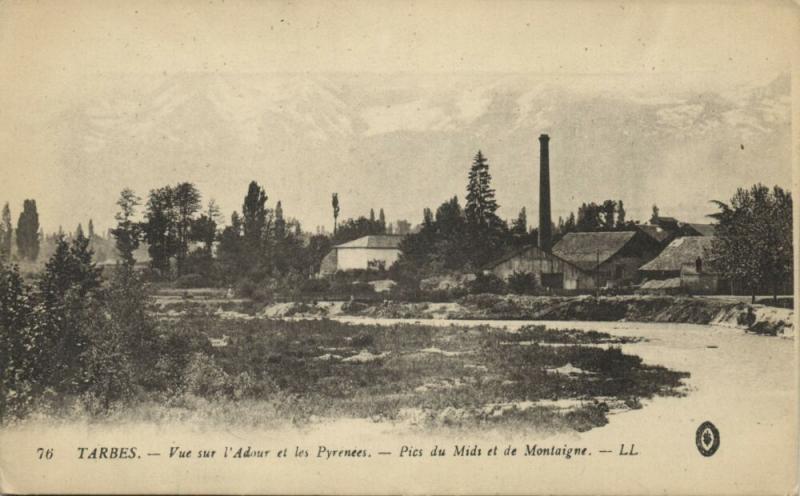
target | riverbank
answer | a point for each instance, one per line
(759, 319)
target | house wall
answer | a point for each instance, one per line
(537, 262)
(702, 283)
(359, 258)
(630, 270)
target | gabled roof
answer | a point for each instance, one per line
(699, 229)
(656, 232)
(377, 241)
(519, 251)
(681, 251)
(666, 220)
(590, 249)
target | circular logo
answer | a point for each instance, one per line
(707, 439)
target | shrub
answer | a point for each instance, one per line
(487, 283)
(203, 377)
(522, 283)
(187, 281)
(315, 286)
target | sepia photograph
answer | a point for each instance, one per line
(398, 247)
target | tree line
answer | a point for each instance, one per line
(27, 233)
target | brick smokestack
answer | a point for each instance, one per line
(545, 224)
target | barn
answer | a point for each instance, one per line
(612, 258)
(375, 251)
(685, 262)
(549, 270)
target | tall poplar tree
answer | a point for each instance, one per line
(28, 231)
(335, 205)
(6, 234)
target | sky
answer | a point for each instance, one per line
(386, 103)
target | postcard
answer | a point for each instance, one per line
(398, 247)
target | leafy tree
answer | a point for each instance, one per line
(127, 233)
(69, 286)
(160, 228)
(753, 241)
(441, 245)
(28, 231)
(123, 350)
(372, 215)
(382, 219)
(280, 222)
(90, 229)
(204, 228)
(352, 229)
(335, 205)
(520, 236)
(403, 227)
(588, 218)
(231, 249)
(254, 222)
(654, 216)
(520, 225)
(6, 234)
(187, 203)
(487, 283)
(19, 345)
(608, 209)
(79, 230)
(318, 246)
(427, 217)
(620, 214)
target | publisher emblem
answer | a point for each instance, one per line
(707, 439)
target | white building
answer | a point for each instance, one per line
(376, 251)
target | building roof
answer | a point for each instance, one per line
(590, 249)
(519, 251)
(376, 241)
(681, 251)
(666, 220)
(656, 232)
(699, 229)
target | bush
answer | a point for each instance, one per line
(188, 281)
(315, 286)
(522, 283)
(246, 288)
(487, 283)
(203, 377)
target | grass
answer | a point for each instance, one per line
(276, 372)
(440, 375)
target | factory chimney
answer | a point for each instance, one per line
(545, 224)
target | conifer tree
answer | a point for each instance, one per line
(481, 205)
